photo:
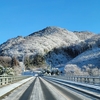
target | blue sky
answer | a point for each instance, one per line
(23, 17)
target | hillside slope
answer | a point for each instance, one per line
(52, 46)
(42, 44)
(88, 63)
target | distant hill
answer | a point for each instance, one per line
(52, 46)
(44, 44)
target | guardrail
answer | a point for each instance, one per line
(89, 90)
(83, 79)
(4, 80)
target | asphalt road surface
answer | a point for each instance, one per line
(41, 89)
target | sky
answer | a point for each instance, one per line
(23, 17)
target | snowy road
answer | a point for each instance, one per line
(40, 89)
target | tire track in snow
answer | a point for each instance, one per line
(28, 92)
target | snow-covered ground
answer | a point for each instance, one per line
(89, 58)
(57, 46)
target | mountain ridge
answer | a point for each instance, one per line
(51, 46)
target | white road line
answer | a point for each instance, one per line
(17, 93)
(57, 94)
(37, 93)
(70, 91)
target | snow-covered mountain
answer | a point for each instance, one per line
(53, 46)
(83, 35)
(47, 43)
(87, 63)
(41, 42)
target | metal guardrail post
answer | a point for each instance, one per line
(6, 80)
(3, 81)
(99, 80)
(74, 78)
(83, 79)
(93, 81)
(9, 79)
(80, 79)
(77, 79)
(87, 80)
